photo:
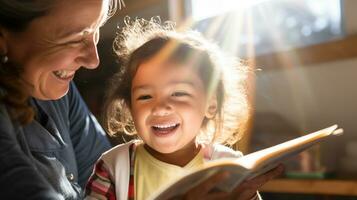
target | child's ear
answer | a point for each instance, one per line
(211, 109)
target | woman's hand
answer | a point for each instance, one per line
(245, 191)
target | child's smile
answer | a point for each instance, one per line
(163, 130)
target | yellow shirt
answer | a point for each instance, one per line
(157, 173)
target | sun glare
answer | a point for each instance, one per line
(267, 25)
(208, 8)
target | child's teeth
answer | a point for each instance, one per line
(165, 126)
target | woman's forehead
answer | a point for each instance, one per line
(74, 16)
(80, 11)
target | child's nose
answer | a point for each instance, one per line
(162, 108)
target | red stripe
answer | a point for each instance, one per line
(101, 170)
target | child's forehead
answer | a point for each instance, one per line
(169, 66)
(168, 71)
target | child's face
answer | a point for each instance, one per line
(168, 105)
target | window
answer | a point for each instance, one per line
(262, 26)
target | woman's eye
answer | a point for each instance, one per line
(143, 97)
(77, 42)
(180, 94)
(73, 43)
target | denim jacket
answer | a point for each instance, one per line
(53, 156)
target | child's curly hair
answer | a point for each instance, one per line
(140, 40)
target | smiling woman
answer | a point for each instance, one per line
(49, 140)
(50, 60)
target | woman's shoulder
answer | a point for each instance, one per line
(5, 120)
(3, 111)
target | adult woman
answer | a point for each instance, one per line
(47, 148)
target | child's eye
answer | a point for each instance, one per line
(143, 97)
(180, 94)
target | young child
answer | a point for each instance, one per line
(182, 98)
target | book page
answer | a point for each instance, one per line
(262, 161)
(180, 187)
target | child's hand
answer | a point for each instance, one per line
(245, 191)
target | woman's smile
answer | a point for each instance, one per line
(66, 75)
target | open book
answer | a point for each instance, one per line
(245, 167)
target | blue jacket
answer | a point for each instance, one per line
(52, 157)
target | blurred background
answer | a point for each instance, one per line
(304, 54)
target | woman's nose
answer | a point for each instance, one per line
(90, 59)
(162, 108)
